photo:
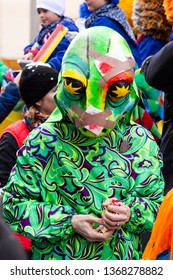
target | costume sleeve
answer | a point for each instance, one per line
(8, 148)
(27, 48)
(26, 203)
(145, 199)
(39, 45)
(56, 60)
(8, 100)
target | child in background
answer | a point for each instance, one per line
(83, 14)
(51, 13)
(107, 13)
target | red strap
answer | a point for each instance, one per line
(140, 38)
(24, 241)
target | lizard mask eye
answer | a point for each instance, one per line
(118, 90)
(74, 86)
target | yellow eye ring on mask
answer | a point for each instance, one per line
(118, 90)
(74, 82)
(74, 86)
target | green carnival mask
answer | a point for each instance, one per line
(96, 84)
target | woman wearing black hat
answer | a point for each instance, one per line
(37, 86)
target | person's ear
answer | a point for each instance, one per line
(38, 104)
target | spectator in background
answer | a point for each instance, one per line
(51, 13)
(107, 13)
(9, 97)
(37, 85)
(158, 73)
(150, 26)
(83, 14)
(153, 31)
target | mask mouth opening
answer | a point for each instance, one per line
(90, 134)
(93, 119)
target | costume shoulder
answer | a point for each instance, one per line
(141, 130)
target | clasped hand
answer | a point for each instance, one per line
(112, 218)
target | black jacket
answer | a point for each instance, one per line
(158, 71)
(8, 148)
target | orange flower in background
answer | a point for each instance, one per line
(168, 6)
(127, 8)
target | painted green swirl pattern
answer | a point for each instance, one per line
(59, 173)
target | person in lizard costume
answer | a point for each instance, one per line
(86, 155)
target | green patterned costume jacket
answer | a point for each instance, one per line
(74, 161)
